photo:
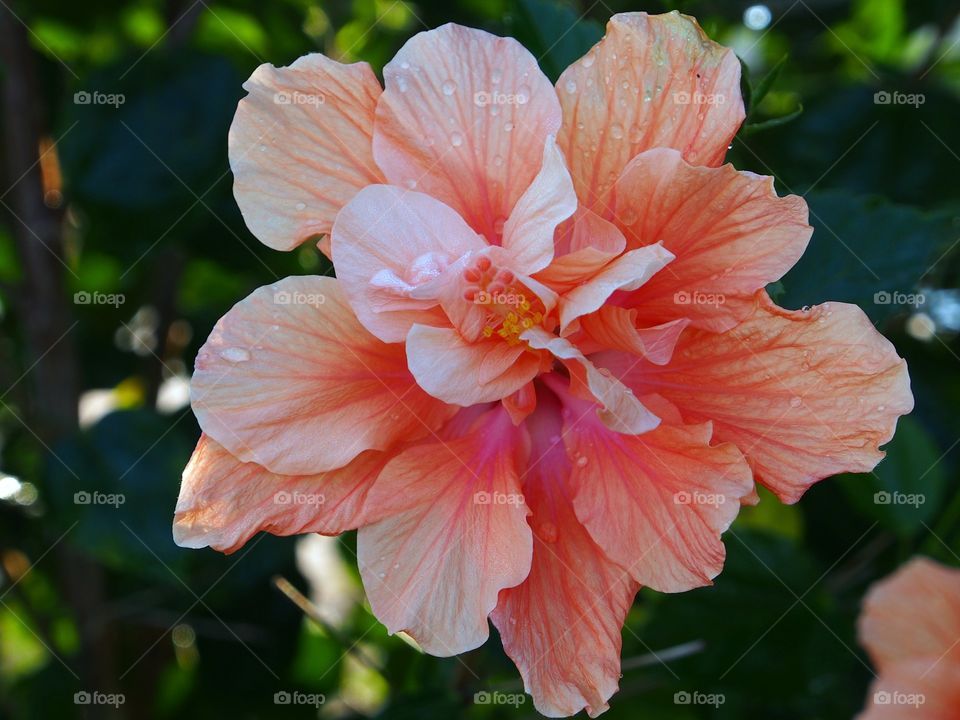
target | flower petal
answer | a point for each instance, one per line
(466, 373)
(672, 87)
(301, 145)
(804, 395)
(464, 118)
(656, 503)
(584, 244)
(915, 613)
(290, 380)
(627, 272)
(459, 536)
(730, 232)
(390, 244)
(550, 199)
(224, 502)
(915, 689)
(561, 625)
(619, 409)
(615, 328)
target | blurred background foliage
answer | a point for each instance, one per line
(136, 200)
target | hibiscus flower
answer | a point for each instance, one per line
(547, 371)
(910, 626)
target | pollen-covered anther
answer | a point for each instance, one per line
(511, 307)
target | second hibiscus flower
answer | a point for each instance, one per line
(548, 371)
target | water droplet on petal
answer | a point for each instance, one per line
(456, 139)
(570, 86)
(235, 354)
(301, 206)
(498, 225)
(582, 461)
(795, 402)
(616, 131)
(449, 87)
(508, 126)
(496, 76)
(548, 532)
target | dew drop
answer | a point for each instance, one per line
(589, 59)
(795, 402)
(402, 83)
(497, 160)
(582, 461)
(570, 86)
(508, 126)
(616, 131)
(496, 76)
(456, 139)
(449, 87)
(498, 225)
(263, 148)
(548, 532)
(411, 183)
(235, 354)
(301, 206)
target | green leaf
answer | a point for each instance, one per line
(760, 90)
(556, 34)
(907, 487)
(863, 246)
(756, 127)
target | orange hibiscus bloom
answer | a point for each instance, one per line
(547, 372)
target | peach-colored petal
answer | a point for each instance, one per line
(656, 503)
(618, 408)
(224, 502)
(915, 690)
(615, 328)
(627, 272)
(290, 380)
(562, 625)
(804, 395)
(915, 613)
(390, 249)
(301, 145)
(466, 373)
(459, 536)
(652, 81)
(584, 244)
(464, 118)
(520, 404)
(730, 232)
(550, 199)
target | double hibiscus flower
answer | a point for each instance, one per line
(547, 371)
